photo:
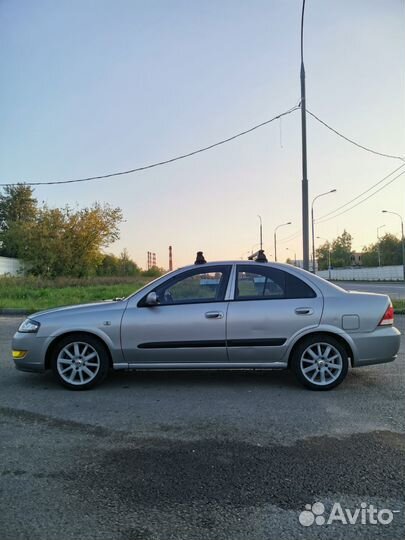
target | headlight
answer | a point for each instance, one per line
(29, 326)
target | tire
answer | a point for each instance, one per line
(80, 361)
(320, 362)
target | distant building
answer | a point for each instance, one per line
(356, 259)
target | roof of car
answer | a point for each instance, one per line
(238, 261)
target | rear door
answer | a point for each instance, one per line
(269, 307)
(188, 324)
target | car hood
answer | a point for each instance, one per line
(79, 308)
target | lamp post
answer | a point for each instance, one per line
(378, 245)
(313, 226)
(329, 262)
(402, 237)
(261, 232)
(275, 237)
(304, 188)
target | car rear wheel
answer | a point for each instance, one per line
(80, 362)
(320, 362)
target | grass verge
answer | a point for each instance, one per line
(35, 294)
(399, 306)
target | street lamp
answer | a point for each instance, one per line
(378, 245)
(402, 237)
(261, 232)
(313, 226)
(275, 237)
(304, 184)
(329, 263)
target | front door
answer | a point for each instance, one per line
(270, 306)
(188, 324)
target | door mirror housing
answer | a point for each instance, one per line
(152, 299)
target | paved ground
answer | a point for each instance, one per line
(394, 290)
(221, 456)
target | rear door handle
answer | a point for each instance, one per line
(304, 311)
(214, 315)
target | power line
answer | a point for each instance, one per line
(291, 237)
(361, 194)
(219, 143)
(364, 200)
(159, 163)
(336, 132)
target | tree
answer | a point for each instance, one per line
(64, 241)
(390, 249)
(154, 271)
(17, 205)
(111, 265)
(322, 256)
(341, 250)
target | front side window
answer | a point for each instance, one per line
(269, 283)
(196, 286)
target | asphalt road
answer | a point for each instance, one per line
(394, 290)
(190, 456)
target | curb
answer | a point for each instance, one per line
(14, 311)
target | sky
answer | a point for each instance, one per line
(92, 87)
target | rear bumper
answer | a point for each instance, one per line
(377, 347)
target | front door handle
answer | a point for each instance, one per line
(214, 315)
(304, 311)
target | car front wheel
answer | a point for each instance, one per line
(320, 362)
(80, 362)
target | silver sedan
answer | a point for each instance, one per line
(221, 315)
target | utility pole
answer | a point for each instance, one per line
(305, 224)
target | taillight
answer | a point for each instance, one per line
(388, 317)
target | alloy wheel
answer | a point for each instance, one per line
(321, 363)
(78, 363)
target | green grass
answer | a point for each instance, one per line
(35, 294)
(399, 305)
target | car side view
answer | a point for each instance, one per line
(220, 315)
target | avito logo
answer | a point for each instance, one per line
(365, 514)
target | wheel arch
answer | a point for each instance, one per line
(55, 342)
(320, 333)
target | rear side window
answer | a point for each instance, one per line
(255, 283)
(269, 283)
(296, 288)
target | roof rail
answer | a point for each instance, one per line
(259, 256)
(200, 258)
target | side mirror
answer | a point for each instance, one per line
(152, 299)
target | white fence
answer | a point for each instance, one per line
(12, 267)
(382, 273)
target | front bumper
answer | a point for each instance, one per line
(34, 359)
(377, 347)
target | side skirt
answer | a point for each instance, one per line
(203, 365)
